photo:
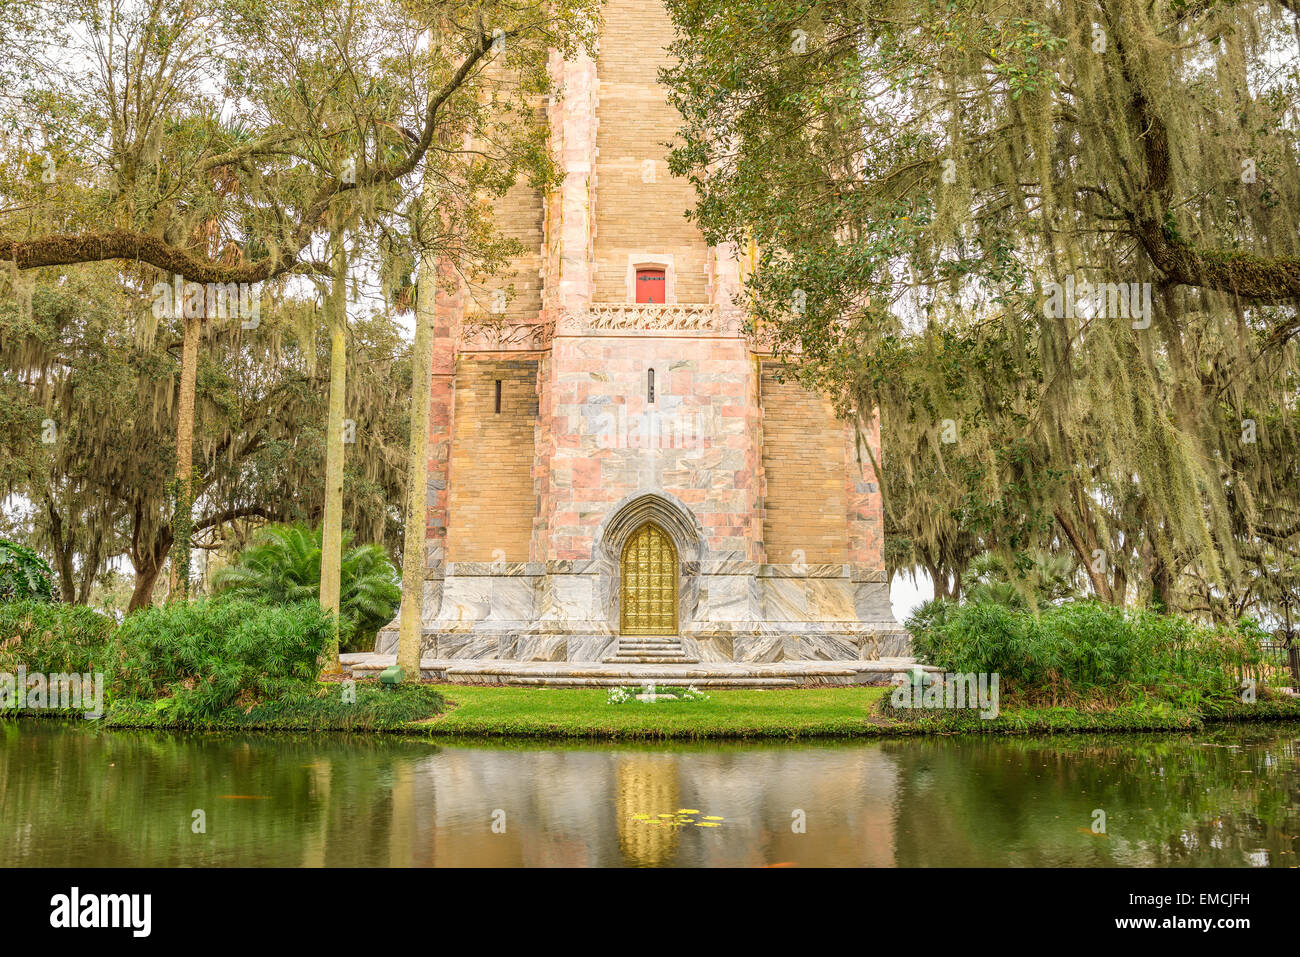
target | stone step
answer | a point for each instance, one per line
(649, 650)
(374, 664)
(677, 672)
(643, 669)
(662, 681)
(677, 655)
(662, 649)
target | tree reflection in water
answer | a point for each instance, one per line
(76, 795)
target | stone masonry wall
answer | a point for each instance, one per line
(447, 309)
(780, 492)
(635, 119)
(804, 508)
(866, 548)
(518, 215)
(492, 502)
(696, 442)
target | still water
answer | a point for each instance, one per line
(74, 795)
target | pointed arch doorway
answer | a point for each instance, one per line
(648, 572)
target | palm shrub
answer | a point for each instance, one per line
(24, 575)
(929, 614)
(1032, 578)
(54, 639)
(283, 566)
(204, 656)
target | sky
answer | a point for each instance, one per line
(905, 595)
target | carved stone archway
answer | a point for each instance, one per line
(674, 519)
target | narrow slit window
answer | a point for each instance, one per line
(650, 386)
(498, 401)
(651, 285)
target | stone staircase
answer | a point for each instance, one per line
(649, 650)
(622, 673)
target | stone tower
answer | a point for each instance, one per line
(616, 470)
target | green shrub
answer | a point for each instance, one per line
(283, 566)
(206, 656)
(53, 639)
(24, 575)
(1086, 647)
(929, 614)
(319, 707)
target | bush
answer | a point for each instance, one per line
(54, 639)
(1088, 647)
(210, 655)
(309, 708)
(283, 566)
(24, 575)
(929, 614)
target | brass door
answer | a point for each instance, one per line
(648, 573)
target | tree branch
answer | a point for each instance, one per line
(63, 249)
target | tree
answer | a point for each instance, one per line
(413, 545)
(332, 530)
(89, 394)
(213, 141)
(1064, 236)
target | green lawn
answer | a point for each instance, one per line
(583, 712)
(789, 713)
(482, 711)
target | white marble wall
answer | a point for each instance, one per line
(731, 611)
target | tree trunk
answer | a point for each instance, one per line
(142, 595)
(1119, 584)
(62, 553)
(1100, 586)
(1162, 586)
(147, 556)
(939, 581)
(331, 555)
(417, 486)
(183, 520)
(90, 568)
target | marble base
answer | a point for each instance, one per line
(732, 611)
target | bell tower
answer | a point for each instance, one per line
(609, 445)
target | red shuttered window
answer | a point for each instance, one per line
(650, 286)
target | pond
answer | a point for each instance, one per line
(75, 795)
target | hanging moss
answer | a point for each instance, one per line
(981, 156)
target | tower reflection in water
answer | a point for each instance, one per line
(647, 787)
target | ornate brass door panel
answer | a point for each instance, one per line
(648, 577)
